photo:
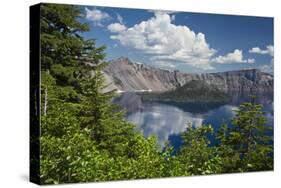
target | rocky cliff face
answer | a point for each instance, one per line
(129, 76)
(252, 80)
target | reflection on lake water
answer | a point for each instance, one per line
(168, 120)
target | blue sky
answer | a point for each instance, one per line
(190, 42)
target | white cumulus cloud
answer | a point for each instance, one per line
(252, 60)
(119, 18)
(165, 41)
(269, 50)
(257, 50)
(268, 67)
(116, 27)
(164, 65)
(97, 16)
(234, 57)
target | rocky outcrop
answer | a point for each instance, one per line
(129, 76)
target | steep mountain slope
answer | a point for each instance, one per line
(129, 76)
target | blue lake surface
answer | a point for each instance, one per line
(168, 120)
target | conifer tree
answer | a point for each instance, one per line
(246, 145)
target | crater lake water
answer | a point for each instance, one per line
(168, 120)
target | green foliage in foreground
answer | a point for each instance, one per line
(84, 137)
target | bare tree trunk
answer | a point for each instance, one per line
(46, 98)
(45, 102)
